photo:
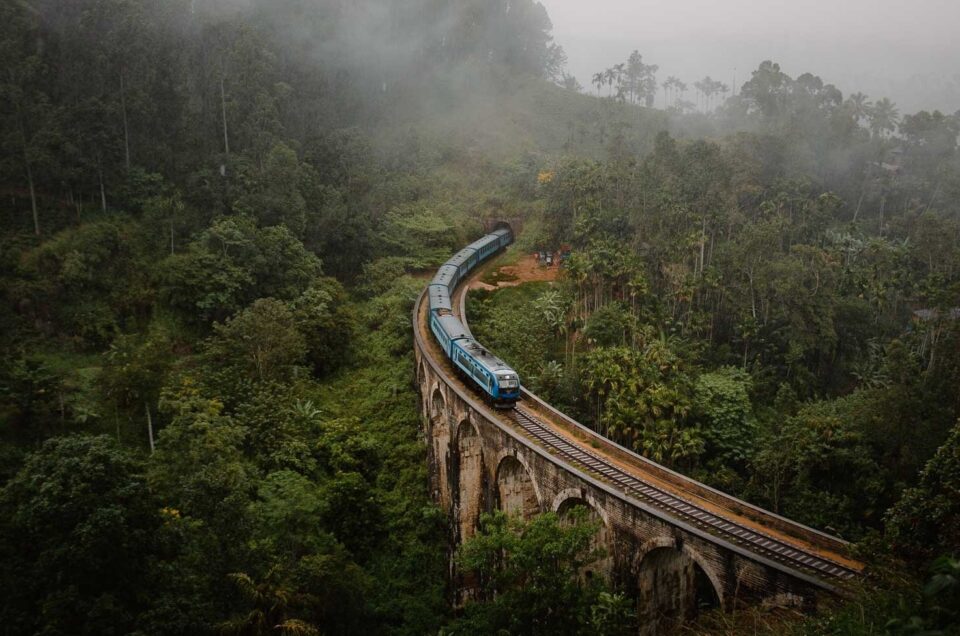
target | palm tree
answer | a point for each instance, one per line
(598, 81)
(859, 106)
(670, 84)
(636, 69)
(270, 603)
(619, 69)
(610, 75)
(701, 87)
(708, 87)
(682, 88)
(723, 89)
(883, 117)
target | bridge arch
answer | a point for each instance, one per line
(421, 372)
(469, 478)
(536, 476)
(440, 437)
(438, 404)
(567, 500)
(569, 497)
(517, 492)
(675, 584)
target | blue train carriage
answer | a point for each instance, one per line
(464, 260)
(447, 329)
(439, 299)
(485, 246)
(499, 382)
(448, 276)
(504, 236)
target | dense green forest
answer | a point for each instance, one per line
(215, 217)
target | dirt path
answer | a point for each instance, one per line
(526, 270)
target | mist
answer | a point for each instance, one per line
(907, 52)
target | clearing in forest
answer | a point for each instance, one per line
(527, 269)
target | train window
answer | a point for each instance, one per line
(509, 381)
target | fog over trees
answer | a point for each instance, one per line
(879, 47)
(215, 216)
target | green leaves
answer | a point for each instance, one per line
(643, 399)
(275, 198)
(926, 520)
(233, 263)
(262, 343)
(78, 530)
(328, 323)
(532, 578)
(722, 408)
(795, 470)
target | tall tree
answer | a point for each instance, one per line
(79, 530)
(28, 117)
(883, 117)
(598, 80)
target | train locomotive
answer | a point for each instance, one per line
(499, 383)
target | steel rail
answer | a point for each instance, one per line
(741, 537)
(692, 513)
(509, 428)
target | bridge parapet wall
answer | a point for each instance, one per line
(766, 518)
(478, 462)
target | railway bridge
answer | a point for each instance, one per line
(674, 544)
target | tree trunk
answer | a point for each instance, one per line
(103, 191)
(75, 204)
(26, 164)
(573, 351)
(146, 406)
(126, 132)
(703, 243)
(883, 200)
(863, 190)
(223, 112)
(33, 194)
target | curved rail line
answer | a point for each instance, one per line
(743, 538)
(692, 513)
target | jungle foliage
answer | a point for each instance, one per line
(216, 217)
(773, 312)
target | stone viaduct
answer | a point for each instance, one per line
(479, 461)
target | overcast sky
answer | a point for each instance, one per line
(908, 50)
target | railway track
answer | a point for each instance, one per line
(758, 543)
(745, 536)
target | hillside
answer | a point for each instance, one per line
(215, 217)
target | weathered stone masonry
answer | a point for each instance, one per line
(479, 463)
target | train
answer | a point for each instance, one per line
(491, 376)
